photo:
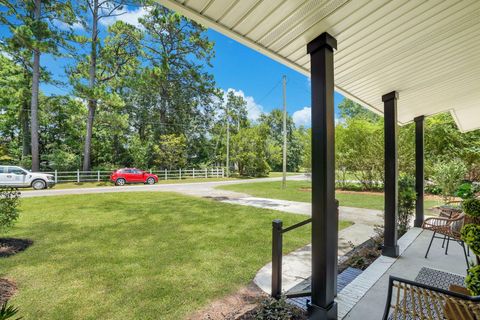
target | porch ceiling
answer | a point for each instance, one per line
(428, 51)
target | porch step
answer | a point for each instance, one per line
(343, 279)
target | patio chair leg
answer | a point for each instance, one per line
(448, 242)
(465, 253)
(443, 243)
(433, 236)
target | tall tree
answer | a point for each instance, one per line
(274, 121)
(105, 63)
(92, 77)
(35, 28)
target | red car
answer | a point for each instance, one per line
(132, 175)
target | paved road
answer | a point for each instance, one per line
(202, 189)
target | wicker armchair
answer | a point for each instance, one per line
(413, 300)
(447, 228)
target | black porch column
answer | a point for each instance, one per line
(419, 169)
(390, 247)
(324, 212)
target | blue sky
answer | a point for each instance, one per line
(254, 76)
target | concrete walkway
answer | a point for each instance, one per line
(296, 265)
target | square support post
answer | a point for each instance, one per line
(390, 246)
(324, 209)
(419, 169)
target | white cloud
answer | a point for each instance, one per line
(303, 117)
(127, 16)
(254, 110)
(65, 26)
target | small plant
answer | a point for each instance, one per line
(472, 207)
(9, 200)
(471, 236)
(8, 312)
(406, 203)
(473, 280)
(272, 309)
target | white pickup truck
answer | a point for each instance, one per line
(12, 176)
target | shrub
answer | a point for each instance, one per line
(8, 312)
(465, 191)
(472, 207)
(471, 236)
(272, 309)
(433, 189)
(473, 280)
(406, 202)
(448, 176)
(9, 200)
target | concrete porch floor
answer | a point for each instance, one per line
(365, 297)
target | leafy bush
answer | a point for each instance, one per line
(272, 309)
(7, 312)
(465, 191)
(433, 189)
(406, 202)
(471, 236)
(9, 200)
(448, 176)
(63, 160)
(473, 280)
(472, 207)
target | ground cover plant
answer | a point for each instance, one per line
(136, 255)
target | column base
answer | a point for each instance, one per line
(418, 223)
(318, 313)
(390, 251)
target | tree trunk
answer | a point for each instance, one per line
(34, 102)
(92, 102)
(25, 125)
(88, 136)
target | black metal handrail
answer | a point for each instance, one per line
(277, 250)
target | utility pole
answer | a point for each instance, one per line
(284, 179)
(228, 141)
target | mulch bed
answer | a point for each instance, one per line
(299, 314)
(11, 246)
(232, 306)
(7, 290)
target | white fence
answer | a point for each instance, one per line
(98, 176)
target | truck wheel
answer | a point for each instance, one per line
(150, 181)
(38, 184)
(120, 182)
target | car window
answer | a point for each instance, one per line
(136, 171)
(3, 169)
(15, 170)
(127, 171)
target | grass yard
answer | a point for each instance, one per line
(136, 255)
(300, 191)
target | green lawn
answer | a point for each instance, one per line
(136, 255)
(300, 191)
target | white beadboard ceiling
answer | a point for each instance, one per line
(428, 51)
